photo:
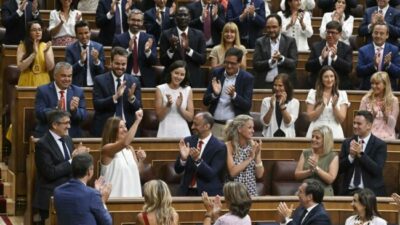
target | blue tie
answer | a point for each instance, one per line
(118, 110)
(66, 153)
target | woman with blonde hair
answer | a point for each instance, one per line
(157, 209)
(243, 153)
(120, 164)
(383, 105)
(319, 162)
(230, 38)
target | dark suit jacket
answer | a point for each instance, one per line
(244, 92)
(107, 26)
(391, 18)
(52, 169)
(148, 77)
(262, 53)
(73, 55)
(152, 27)
(103, 103)
(317, 216)
(197, 43)
(371, 164)
(196, 10)
(342, 65)
(210, 171)
(251, 26)
(366, 65)
(15, 24)
(77, 203)
(47, 100)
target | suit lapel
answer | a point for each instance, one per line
(310, 214)
(70, 93)
(208, 147)
(369, 144)
(54, 146)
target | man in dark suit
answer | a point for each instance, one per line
(53, 154)
(331, 52)
(274, 53)
(63, 95)
(249, 16)
(85, 56)
(383, 13)
(209, 17)
(111, 18)
(76, 203)
(311, 211)
(115, 93)
(158, 19)
(184, 43)
(202, 159)
(142, 49)
(392, 3)
(378, 56)
(230, 92)
(15, 18)
(362, 158)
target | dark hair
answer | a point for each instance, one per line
(175, 65)
(80, 165)
(319, 86)
(238, 197)
(287, 84)
(276, 16)
(71, 7)
(234, 52)
(207, 118)
(118, 51)
(380, 24)
(288, 12)
(28, 42)
(366, 114)
(55, 116)
(346, 11)
(367, 198)
(81, 23)
(110, 130)
(334, 25)
(314, 188)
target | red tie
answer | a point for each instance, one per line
(194, 178)
(62, 99)
(135, 57)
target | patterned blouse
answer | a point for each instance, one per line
(248, 175)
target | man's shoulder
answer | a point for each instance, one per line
(45, 87)
(96, 44)
(102, 77)
(194, 5)
(377, 141)
(245, 74)
(76, 88)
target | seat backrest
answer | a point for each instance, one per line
(167, 174)
(283, 181)
(301, 125)
(149, 125)
(258, 126)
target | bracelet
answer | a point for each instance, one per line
(283, 109)
(207, 215)
(259, 165)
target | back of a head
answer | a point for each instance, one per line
(157, 198)
(238, 198)
(367, 198)
(81, 164)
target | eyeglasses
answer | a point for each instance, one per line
(230, 63)
(65, 122)
(332, 32)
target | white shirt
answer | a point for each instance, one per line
(297, 32)
(224, 110)
(67, 28)
(60, 145)
(274, 66)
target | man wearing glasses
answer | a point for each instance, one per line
(60, 94)
(331, 52)
(230, 91)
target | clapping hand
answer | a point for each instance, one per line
(141, 154)
(139, 115)
(184, 150)
(216, 86)
(230, 90)
(79, 150)
(387, 59)
(148, 44)
(285, 211)
(169, 100)
(174, 42)
(179, 100)
(131, 91)
(74, 104)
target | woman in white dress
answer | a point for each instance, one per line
(326, 105)
(296, 23)
(342, 16)
(120, 164)
(174, 102)
(365, 207)
(280, 111)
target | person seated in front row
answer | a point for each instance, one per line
(238, 201)
(174, 102)
(320, 162)
(280, 111)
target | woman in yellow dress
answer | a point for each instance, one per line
(34, 58)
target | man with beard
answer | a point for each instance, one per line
(202, 159)
(274, 53)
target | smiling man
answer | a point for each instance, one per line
(60, 94)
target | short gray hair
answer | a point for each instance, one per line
(61, 65)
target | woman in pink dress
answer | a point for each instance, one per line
(381, 102)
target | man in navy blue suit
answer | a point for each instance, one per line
(15, 16)
(362, 158)
(63, 95)
(142, 50)
(311, 211)
(202, 159)
(378, 56)
(249, 15)
(76, 203)
(85, 56)
(115, 93)
(211, 12)
(158, 19)
(383, 13)
(230, 91)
